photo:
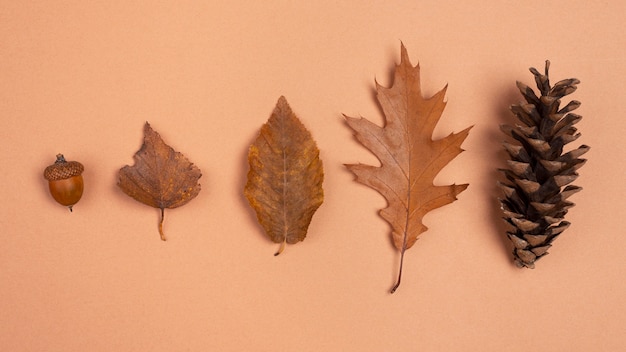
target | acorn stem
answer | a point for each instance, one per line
(60, 159)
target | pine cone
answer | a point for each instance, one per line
(535, 202)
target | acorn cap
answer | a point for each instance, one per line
(62, 169)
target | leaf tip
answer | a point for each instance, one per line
(149, 132)
(404, 57)
(403, 52)
(459, 188)
(466, 131)
(349, 119)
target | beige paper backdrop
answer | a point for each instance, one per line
(82, 77)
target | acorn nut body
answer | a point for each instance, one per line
(65, 181)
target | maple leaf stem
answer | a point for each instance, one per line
(395, 287)
(161, 225)
(281, 248)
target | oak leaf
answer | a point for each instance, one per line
(161, 177)
(285, 178)
(410, 159)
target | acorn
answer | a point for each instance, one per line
(65, 181)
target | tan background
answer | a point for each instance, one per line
(82, 78)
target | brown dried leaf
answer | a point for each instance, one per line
(409, 158)
(285, 178)
(161, 177)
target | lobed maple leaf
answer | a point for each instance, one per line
(410, 159)
(285, 178)
(161, 177)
